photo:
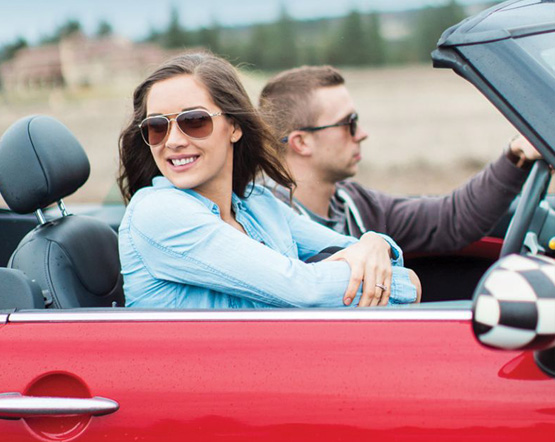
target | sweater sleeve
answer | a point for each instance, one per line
(441, 224)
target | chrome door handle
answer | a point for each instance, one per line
(16, 405)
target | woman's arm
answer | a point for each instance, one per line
(369, 258)
(312, 237)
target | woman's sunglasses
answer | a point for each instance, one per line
(196, 124)
(352, 122)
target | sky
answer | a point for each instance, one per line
(33, 19)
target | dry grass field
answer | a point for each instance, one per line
(429, 129)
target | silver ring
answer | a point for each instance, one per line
(382, 286)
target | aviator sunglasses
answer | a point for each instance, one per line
(352, 122)
(196, 124)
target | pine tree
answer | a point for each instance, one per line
(70, 27)
(210, 38)
(285, 44)
(104, 29)
(431, 24)
(349, 44)
(375, 44)
(174, 36)
(8, 51)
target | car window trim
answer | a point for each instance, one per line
(470, 62)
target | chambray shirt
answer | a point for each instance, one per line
(176, 252)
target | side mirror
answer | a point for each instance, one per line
(514, 307)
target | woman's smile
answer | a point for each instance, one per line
(183, 162)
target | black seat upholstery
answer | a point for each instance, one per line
(74, 259)
(18, 291)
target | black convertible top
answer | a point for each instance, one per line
(508, 53)
(509, 19)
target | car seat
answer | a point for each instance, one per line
(74, 259)
(18, 291)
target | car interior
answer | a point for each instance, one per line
(73, 259)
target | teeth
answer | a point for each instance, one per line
(183, 161)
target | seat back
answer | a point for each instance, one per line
(74, 259)
(18, 291)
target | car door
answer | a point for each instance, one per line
(390, 374)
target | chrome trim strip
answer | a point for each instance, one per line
(40, 217)
(62, 208)
(3, 319)
(129, 315)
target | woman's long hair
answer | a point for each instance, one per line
(258, 150)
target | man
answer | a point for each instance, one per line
(313, 112)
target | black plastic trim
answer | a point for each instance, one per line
(545, 360)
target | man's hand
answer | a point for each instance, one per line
(521, 147)
(370, 262)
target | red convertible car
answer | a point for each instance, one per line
(76, 365)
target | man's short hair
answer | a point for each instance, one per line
(286, 100)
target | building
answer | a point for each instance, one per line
(79, 61)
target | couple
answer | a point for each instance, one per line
(198, 233)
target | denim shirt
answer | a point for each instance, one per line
(176, 252)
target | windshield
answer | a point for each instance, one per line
(542, 48)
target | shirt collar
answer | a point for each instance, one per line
(161, 182)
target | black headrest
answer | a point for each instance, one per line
(41, 162)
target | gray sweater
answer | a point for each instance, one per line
(425, 224)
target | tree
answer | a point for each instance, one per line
(154, 36)
(375, 45)
(8, 51)
(210, 38)
(348, 45)
(71, 27)
(274, 46)
(431, 23)
(285, 44)
(104, 29)
(259, 46)
(174, 36)
(68, 28)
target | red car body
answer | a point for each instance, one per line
(407, 374)
(412, 373)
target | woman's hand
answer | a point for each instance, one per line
(370, 262)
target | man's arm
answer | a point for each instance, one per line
(441, 224)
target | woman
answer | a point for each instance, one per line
(198, 233)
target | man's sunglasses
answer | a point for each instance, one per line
(196, 124)
(352, 122)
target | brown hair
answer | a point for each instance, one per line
(257, 151)
(286, 100)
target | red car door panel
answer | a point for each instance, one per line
(405, 378)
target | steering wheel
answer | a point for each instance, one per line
(532, 193)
